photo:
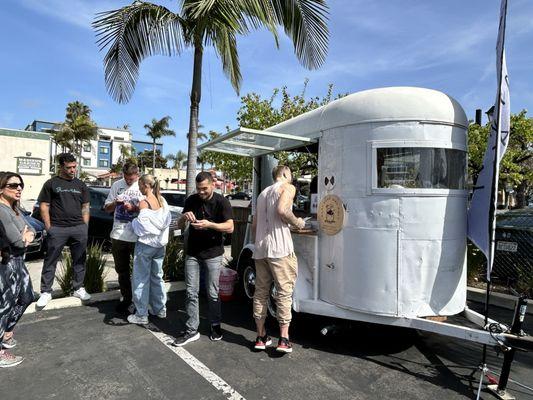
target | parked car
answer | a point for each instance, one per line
(513, 259)
(239, 196)
(101, 222)
(175, 199)
(37, 246)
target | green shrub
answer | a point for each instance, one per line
(95, 271)
(65, 273)
(174, 262)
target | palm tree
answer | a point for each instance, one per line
(157, 130)
(177, 159)
(77, 128)
(143, 29)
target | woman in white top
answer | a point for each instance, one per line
(151, 226)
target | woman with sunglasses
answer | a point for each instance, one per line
(16, 291)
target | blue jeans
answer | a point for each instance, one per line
(192, 283)
(147, 280)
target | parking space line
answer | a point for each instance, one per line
(216, 381)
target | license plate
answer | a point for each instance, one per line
(507, 246)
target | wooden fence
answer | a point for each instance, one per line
(240, 220)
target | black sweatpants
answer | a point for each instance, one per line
(122, 254)
(58, 237)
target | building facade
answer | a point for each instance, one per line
(28, 154)
(97, 156)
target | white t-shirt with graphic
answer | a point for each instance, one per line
(127, 194)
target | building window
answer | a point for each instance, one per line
(87, 147)
(104, 150)
(104, 163)
(86, 162)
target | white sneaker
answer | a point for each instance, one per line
(134, 319)
(82, 294)
(44, 299)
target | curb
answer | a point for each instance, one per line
(497, 299)
(68, 302)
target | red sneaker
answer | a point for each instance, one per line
(261, 342)
(284, 346)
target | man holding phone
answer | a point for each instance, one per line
(210, 217)
(123, 200)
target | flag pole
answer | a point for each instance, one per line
(495, 172)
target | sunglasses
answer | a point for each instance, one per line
(15, 185)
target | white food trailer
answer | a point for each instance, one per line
(390, 239)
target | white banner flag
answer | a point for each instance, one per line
(481, 215)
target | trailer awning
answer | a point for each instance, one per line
(249, 142)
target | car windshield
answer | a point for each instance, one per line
(174, 199)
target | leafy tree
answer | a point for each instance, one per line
(143, 29)
(146, 158)
(156, 130)
(516, 168)
(259, 113)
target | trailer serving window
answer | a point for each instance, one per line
(420, 168)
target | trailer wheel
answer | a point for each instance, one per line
(247, 286)
(272, 307)
(248, 280)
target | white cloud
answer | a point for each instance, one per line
(80, 13)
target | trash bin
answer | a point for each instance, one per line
(226, 283)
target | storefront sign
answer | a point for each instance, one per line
(29, 166)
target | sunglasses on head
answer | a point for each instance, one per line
(15, 185)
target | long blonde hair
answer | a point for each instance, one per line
(152, 182)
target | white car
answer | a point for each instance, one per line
(175, 199)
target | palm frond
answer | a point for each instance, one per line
(242, 16)
(305, 22)
(133, 33)
(225, 44)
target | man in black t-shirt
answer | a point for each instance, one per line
(210, 217)
(64, 206)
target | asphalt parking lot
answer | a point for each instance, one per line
(89, 352)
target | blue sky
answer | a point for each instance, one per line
(49, 58)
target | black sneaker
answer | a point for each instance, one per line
(216, 332)
(122, 307)
(185, 338)
(284, 346)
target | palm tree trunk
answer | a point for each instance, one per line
(196, 93)
(153, 160)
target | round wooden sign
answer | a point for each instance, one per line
(331, 214)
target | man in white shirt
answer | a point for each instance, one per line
(123, 200)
